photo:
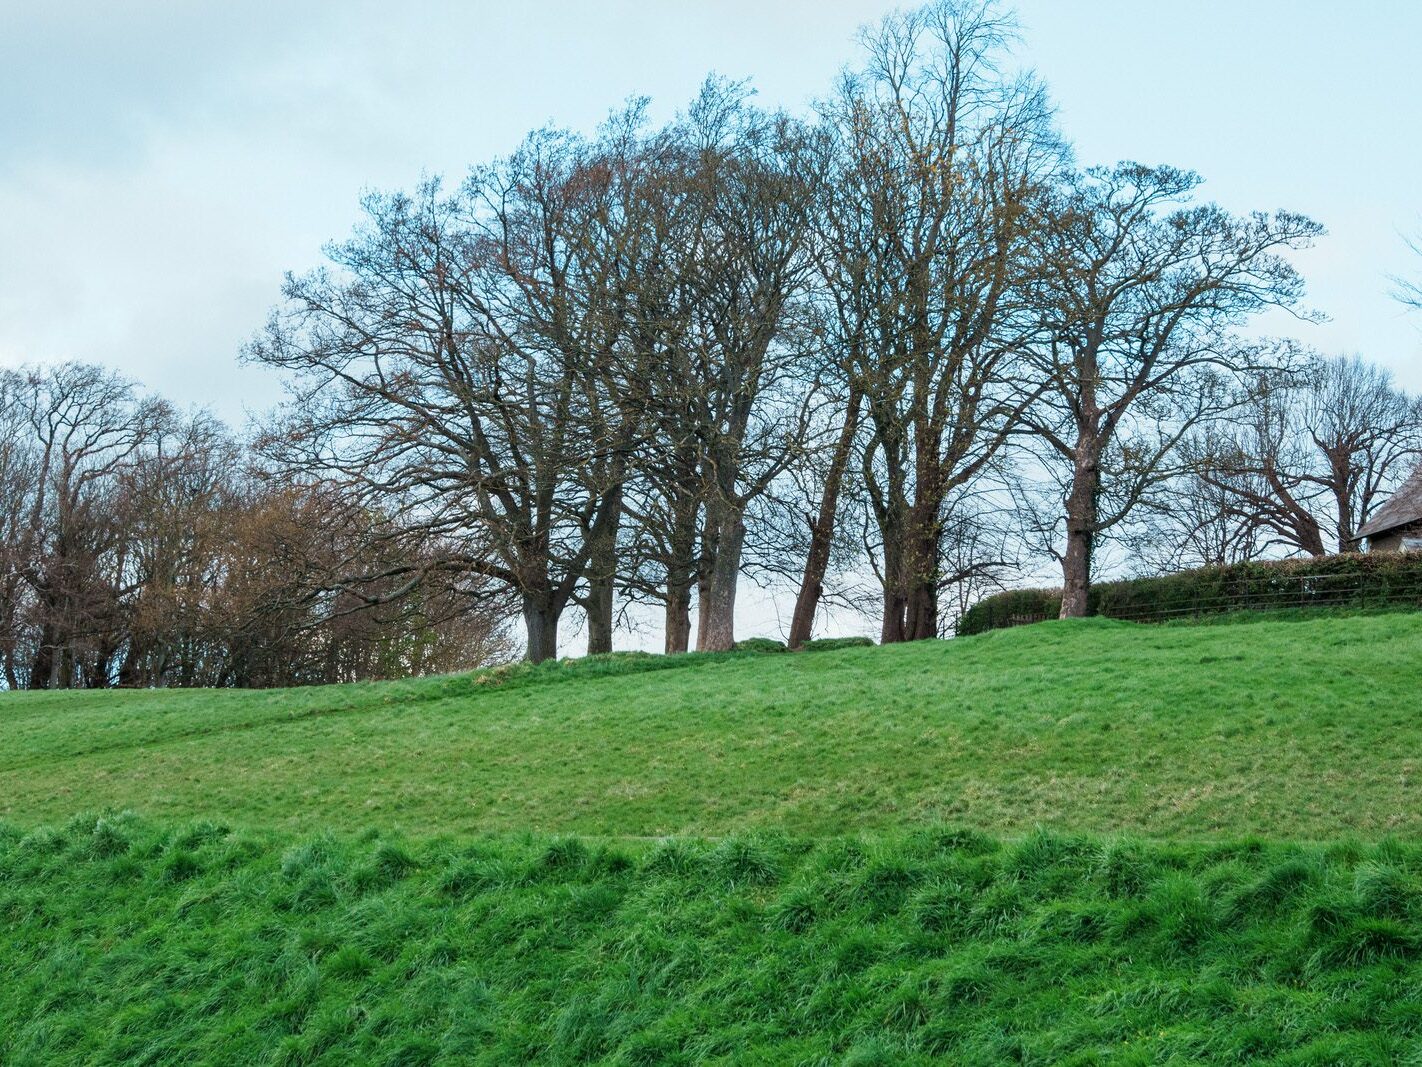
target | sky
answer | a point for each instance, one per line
(162, 164)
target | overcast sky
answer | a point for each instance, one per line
(161, 164)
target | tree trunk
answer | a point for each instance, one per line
(911, 582)
(1347, 541)
(921, 611)
(678, 617)
(717, 630)
(921, 565)
(42, 663)
(602, 569)
(682, 566)
(540, 619)
(893, 628)
(599, 612)
(802, 623)
(1081, 531)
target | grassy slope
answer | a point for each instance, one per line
(1301, 729)
(126, 942)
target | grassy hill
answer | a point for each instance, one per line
(1077, 843)
(1302, 730)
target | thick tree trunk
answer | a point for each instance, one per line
(1347, 541)
(599, 611)
(678, 617)
(911, 580)
(1081, 530)
(921, 612)
(717, 629)
(802, 623)
(540, 620)
(893, 625)
(921, 569)
(1311, 540)
(893, 628)
(42, 663)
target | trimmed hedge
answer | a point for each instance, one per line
(1350, 580)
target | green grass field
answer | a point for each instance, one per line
(1070, 843)
(1296, 730)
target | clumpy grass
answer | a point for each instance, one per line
(194, 942)
(1302, 730)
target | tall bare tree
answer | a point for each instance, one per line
(1139, 294)
(937, 162)
(85, 426)
(722, 346)
(449, 372)
(746, 370)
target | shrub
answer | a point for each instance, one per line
(1347, 581)
(830, 644)
(1014, 607)
(760, 644)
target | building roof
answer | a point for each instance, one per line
(1403, 508)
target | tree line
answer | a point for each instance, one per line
(632, 367)
(887, 354)
(140, 546)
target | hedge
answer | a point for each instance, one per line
(760, 644)
(1350, 580)
(831, 644)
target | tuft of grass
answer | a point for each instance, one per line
(931, 945)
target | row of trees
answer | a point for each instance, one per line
(886, 355)
(142, 547)
(631, 367)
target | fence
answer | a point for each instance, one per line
(1365, 583)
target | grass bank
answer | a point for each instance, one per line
(128, 941)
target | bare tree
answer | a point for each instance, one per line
(84, 426)
(1139, 295)
(721, 342)
(938, 159)
(1313, 453)
(746, 357)
(19, 482)
(449, 373)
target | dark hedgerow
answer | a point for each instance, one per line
(1349, 581)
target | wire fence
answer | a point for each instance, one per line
(1294, 592)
